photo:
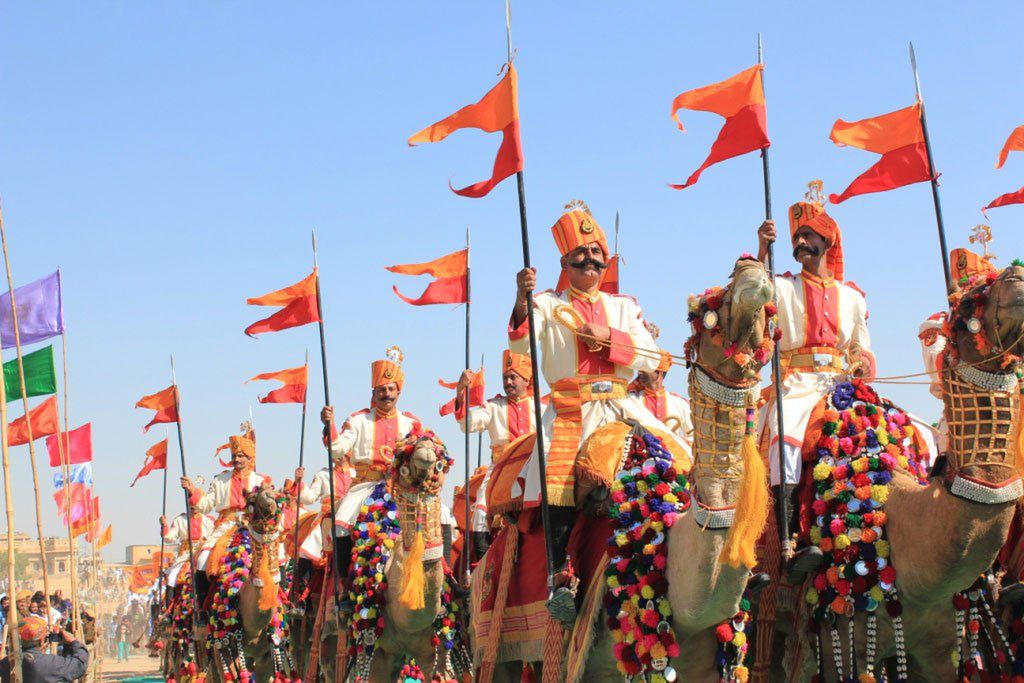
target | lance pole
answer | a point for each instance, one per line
(12, 613)
(65, 473)
(298, 480)
(336, 561)
(479, 438)
(28, 424)
(467, 546)
(163, 515)
(188, 504)
(934, 176)
(76, 599)
(545, 511)
(782, 503)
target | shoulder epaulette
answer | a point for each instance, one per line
(625, 296)
(853, 285)
(497, 397)
(364, 411)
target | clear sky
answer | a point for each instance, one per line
(172, 159)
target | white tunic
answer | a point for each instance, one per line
(176, 534)
(226, 497)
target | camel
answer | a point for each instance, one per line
(729, 348)
(943, 535)
(413, 599)
(251, 648)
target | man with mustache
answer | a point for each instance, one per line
(505, 418)
(591, 344)
(667, 406)
(823, 321)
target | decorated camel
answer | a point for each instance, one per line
(246, 627)
(404, 617)
(900, 551)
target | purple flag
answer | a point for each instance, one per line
(40, 313)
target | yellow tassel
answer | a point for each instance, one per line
(413, 577)
(1019, 441)
(751, 509)
(268, 591)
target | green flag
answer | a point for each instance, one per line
(40, 377)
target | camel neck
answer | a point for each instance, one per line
(982, 418)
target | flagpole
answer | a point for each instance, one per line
(934, 176)
(65, 456)
(188, 530)
(65, 470)
(782, 504)
(479, 436)
(28, 422)
(327, 401)
(12, 610)
(467, 545)
(545, 512)
(188, 504)
(298, 480)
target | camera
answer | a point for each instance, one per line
(54, 638)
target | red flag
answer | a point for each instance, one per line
(299, 301)
(476, 395)
(899, 138)
(165, 403)
(1014, 143)
(88, 522)
(43, 420)
(80, 496)
(156, 459)
(498, 110)
(449, 285)
(740, 101)
(77, 444)
(143, 577)
(294, 389)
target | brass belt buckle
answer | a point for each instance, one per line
(820, 359)
(602, 387)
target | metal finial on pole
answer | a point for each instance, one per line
(616, 232)
(934, 176)
(508, 27)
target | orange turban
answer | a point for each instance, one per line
(384, 372)
(812, 215)
(518, 363)
(577, 227)
(32, 628)
(246, 445)
(965, 263)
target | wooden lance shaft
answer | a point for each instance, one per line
(467, 545)
(12, 612)
(188, 503)
(298, 480)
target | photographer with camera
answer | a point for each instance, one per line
(38, 667)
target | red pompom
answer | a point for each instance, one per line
(723, 633)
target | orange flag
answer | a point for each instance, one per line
(498, 110)
(449, 285)
(476, 395)
(299, 301)
(1014, 143)
(43, 419)
(105, 538)
(294, 389)
(899, 138)
(164, 403)
(156, 459)
(740, 101)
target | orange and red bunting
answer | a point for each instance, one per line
(476, 395)
(299, 302)
(164, 403)
(740, 101)
(899, 138)
(43, 420)
(294, 389)
(449, 284)
(498, 110)
(156, 459)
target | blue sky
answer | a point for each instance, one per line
(172, 159)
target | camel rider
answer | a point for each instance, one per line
(226, 497)
(667, 406)
(505, 418)
(591, 344)
(176, 535)
(366, 443)
(311, 548)
(823, 321)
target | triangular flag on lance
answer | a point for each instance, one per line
(76, 444)
(899, 138)
(156, 459)
(105, 538)
(476, 395)
(43, 420)
(299, 307)
(498, 110)
(295, 381)
(40, 375)
(1014, 143)
(40, 313)
(164, 403)
(449, 285)
(740, 101)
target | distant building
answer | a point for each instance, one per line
(134, 554)
(58, 559)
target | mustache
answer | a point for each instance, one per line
(583, 263)
(813, 251)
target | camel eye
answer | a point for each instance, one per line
(404, 471)
(438, 466)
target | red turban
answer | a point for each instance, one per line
(813, 216)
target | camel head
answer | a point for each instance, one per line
(421, 462)
(987, 320)
(733, 326)
(265, 505)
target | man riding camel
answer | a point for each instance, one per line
(591, 344)
(311, 548)
(176, 536)
(823, 321)
(366, 443)
(226, 497)
(669, 407)
(505, 418)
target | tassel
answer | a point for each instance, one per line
(268, 589)
(413, 578)
(1019, 440)
(752, 505)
